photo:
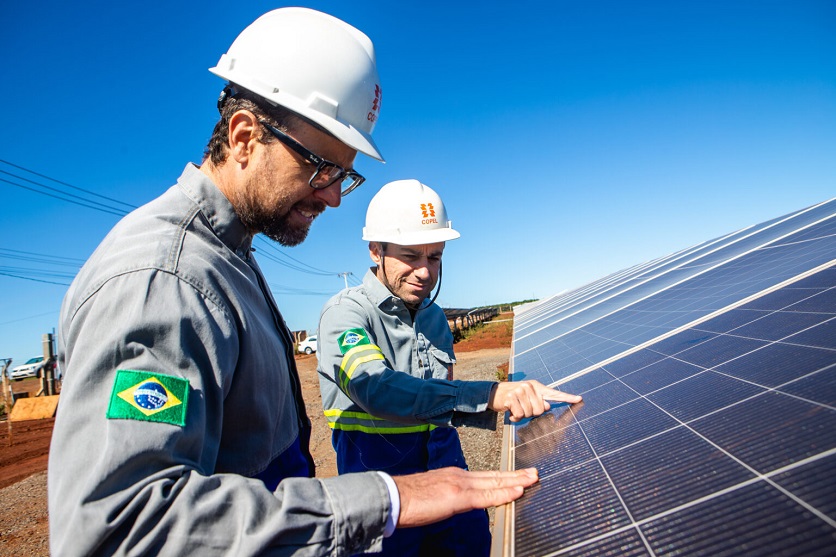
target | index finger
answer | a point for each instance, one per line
(496, 478)
(559, 396)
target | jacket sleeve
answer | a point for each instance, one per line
(362, 373)
(138, 487)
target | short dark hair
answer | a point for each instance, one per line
(383, 245)
(232, 100)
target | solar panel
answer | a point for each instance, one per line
(708, 424)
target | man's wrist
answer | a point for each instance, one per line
(491, 395)
(394, 504)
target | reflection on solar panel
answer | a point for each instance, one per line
(708, 425)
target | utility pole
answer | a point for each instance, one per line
(48, 370)
(345, 277)
(6, 389)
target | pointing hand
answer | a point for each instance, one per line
(525, 399)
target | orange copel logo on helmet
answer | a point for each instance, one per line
(427, 210)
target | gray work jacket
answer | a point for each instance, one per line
(397, 379)
(173, 296)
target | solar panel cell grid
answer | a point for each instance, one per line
(717, 439)
(778, 325)
(702, 394)
(659, 375)
(718, 350)
(770, 431)
(777, 364)
(625, 424)
(627, 543)
(676, 344)
(753, 520)
(820, 388)
(669, 470)
(555, 452)
(629, 364)
(604, 398)
(581, 505)
(814, 482)
(588, 381)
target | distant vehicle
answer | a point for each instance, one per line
(308, 346)
(30, 369)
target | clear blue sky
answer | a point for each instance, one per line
(569, 139)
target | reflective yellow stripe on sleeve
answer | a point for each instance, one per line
(347, 420)
(353, 358)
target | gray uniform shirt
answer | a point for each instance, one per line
(381, 383)
(173, 290)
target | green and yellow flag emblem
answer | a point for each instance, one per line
(149, 397)
(352, 338)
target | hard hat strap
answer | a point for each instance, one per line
(383, 268)
(437, 289)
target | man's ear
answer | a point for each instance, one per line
(243, 135)
(375, 252)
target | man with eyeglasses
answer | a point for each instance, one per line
(181, 428)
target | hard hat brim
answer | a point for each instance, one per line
(351, 136)
(413, 238)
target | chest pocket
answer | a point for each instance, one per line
(441, 363)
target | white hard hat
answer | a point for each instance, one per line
(314, 65)
(408, 213)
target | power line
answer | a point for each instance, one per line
(111, 211)
(70, 194)
(37, 272)
(280, 289)
(34, 279)
(40, 257)
(302, 267)
(88, 192)
(299, 266)
(300, 262)
(30, 317)
(274, 259)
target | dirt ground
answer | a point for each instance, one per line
(24, 526)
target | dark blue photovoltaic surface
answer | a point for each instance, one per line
(551, 311)
(627, 316)
(708, 425)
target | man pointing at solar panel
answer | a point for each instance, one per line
(386, 359)
(181, 429)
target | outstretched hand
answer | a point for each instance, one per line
(438, 494)
(525, 399)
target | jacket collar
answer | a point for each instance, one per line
(217, 209)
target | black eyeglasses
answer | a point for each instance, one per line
(327, 173)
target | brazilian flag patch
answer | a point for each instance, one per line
(352, 338)
(149, 397)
